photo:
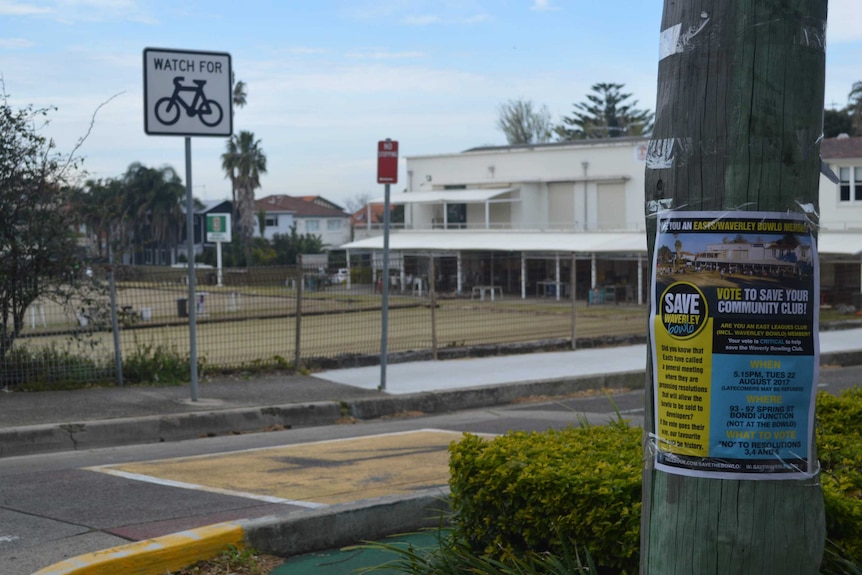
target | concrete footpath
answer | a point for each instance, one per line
(85, 419)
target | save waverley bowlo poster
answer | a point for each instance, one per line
(734, 344)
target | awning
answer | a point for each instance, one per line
(468, 196)
(839, 243)
(632, 243)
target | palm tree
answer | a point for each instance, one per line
(154, 200)
(99, 205)
(243, 163)
(239, 94)
(239, 97)
(229, 163)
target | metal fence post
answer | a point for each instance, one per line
(573, 292)
(432, 276)
(297, 359)
(115, 324)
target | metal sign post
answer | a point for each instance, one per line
(191, 306)
(218, 231)
(188, 93)
(387, 173)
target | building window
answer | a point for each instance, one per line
(850, 188)
(333, 225)
(312, 225)
(271, 221)
(456, 216)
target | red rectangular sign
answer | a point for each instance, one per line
(387, 162)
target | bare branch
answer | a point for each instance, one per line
(86, 135)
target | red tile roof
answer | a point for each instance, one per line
(841, 148)
(300, 207)
(360, 216)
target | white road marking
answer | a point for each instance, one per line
(184, 485)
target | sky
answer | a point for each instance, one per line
(328, 79)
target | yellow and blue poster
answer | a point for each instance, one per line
(735, 348)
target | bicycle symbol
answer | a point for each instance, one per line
(168, 108)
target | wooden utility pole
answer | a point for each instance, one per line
(738, 121)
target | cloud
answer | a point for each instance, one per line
(424, 20)
(542, 6)
(69, 11)
(15, 43)
(302, 50)
(384, 55)
(429, 19)
(477, 19)
(21, 9)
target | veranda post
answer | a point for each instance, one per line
(731, 482)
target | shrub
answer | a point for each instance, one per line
(24, 369)
(539, 492)
(839, 441)
(157, 364)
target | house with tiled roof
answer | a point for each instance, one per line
(313, 215)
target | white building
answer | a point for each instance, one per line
(580, 200)
(312, 215)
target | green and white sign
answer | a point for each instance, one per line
(218, 228)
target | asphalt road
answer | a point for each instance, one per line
(60, 505)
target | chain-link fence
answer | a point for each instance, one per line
(284, 317)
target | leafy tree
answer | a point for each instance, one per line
(38, 241)
(854, 107)
(605, 114)
(244, 162)
(837, 122)
(847, 120)
(522, 124)
(665, 255)
(288, 246)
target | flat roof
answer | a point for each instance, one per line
(463, 196)
(509, 241)
(634, 242)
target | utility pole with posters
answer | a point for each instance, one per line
(731, 479)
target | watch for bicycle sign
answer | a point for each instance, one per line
(169, 108)
(187, 93)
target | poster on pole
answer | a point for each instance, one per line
(735, 352)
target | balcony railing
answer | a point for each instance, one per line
(374, 230)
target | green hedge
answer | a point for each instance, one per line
(526, 491)
(530, 491)
(839, 443)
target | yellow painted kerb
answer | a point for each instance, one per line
(154, 556)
